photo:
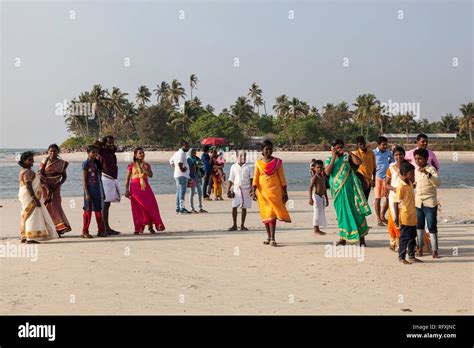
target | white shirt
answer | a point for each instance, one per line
(179, 157)
(241, 175)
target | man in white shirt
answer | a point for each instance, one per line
(240, 183)
(181, 176)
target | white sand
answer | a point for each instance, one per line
(197, 267)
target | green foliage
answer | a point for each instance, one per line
(75, 142)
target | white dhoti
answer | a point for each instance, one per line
(242, 198)
(111, 188)
(319, 216)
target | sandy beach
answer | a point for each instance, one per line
(198, 267)
(286, 156)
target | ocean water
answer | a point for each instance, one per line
(453, 175)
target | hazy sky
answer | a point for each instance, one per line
(403, 60)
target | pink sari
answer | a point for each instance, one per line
(144, 206)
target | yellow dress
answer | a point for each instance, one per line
(269, 178)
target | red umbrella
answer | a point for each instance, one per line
(214, 141)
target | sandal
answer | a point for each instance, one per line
(273, 243)
(151, 230)
(32, 242)
(243, 228)
(23, 240)
(266, 242)
(86, 235)
(341, 242)
(233, 228)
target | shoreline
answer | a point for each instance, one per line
(286, 156)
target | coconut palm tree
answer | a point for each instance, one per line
(143, 96)
(98, 97)
(296, 108)
(176, 92)
(406, 120)
(282, 106)
(367, 106)
(448, 123)
(241, 110)
(193, 81)
(162, 92)
(255, 94)
(467, 111)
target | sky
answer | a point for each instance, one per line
(317, 51)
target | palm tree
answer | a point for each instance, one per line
(143, 96)
(381, 117)
(255, 94)
(98, 97)
(282, 106)
(196, 102)
(467, 111)
(242, 110)
(448, 123)
(406, 120)
(176, 92)
(296, 109)
(367, 106)
(193, 80)
(162, 92)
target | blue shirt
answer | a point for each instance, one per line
(382, 162)
(205, 158)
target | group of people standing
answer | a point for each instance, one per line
(348, 175)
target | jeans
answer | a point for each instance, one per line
(407, 241)
(206, 188)
(181, 185)
(430, 214)
(197, 188)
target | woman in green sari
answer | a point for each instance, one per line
(346, 191)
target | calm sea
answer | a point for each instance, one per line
(454, 175)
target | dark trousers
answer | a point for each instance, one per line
(367, 192)
(428, 214)
(407, 241)
(206, 189)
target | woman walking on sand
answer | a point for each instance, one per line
(348, 196)
(145, 209)
(52, 172)
(36, 223)
(269, 188)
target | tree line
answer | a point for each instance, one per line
(165, 115)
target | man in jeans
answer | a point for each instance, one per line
(206, 160)
(181, 176)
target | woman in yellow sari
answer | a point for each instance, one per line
(269, 188)
(36, 223)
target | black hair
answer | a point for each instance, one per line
(135, 153)
(205, 148)
(106, 138)
(382, 139)
(338, 142)
(316, 162)
(92, 148)
(267, 143)
(183, 142)
(421, 152)
(24, 156)
(406, 167)
(421, 136)
(53, 146)
(398, 149)
(360, 139)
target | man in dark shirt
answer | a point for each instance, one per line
(108, 161)
(206, 160)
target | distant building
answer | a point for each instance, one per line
(393, 137)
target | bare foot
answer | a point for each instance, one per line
(414, 260)
(405, 262)
(321, 233)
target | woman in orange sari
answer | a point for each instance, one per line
(145, 209)
(52, 172)
(392, 180)
(269, 188)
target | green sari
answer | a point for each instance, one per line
(349, 200)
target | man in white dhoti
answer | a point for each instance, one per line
(240, 183)
(110, 184)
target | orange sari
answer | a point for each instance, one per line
(269, 178)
